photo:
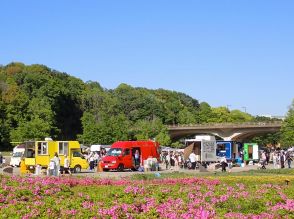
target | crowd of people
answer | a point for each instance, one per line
(174, 160)
(95, 157)
(280, 158)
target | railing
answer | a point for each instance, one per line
(277, 123)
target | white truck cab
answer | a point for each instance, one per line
(17, 154)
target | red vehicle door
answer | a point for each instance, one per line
(127, 158)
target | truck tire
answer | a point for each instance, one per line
(120, 168)
(77, 169)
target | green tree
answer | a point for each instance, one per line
(238, 116)
(186, 117)
(220, 115)
(204, 113)
(145, 130)
(287, 130)
(28, 130)
(270, 139)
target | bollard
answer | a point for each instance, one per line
(99, 167)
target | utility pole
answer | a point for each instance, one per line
(244, 107)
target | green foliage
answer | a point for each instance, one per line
(35, 129)
(104, 129)
(177, 144)
(37, 101)
(287, 131)
(271, 139)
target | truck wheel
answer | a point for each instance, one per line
(120, 168)
(77, 169)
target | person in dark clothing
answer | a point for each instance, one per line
(282, 160)
(289, 159)
(1, 158)
(224, 164)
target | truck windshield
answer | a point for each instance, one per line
(17, 154)
(114, 152)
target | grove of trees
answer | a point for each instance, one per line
(37, 102)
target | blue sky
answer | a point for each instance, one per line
(237, 53)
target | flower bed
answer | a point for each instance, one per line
(69, 197)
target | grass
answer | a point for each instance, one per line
(258, 173)
(6, 153)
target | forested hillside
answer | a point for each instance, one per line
(37, 101)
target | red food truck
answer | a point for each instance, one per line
(122, 154)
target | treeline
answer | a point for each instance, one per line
(37, 101)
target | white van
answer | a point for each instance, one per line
(17, 154)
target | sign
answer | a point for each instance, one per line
(208, 151)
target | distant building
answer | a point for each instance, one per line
(274, 117)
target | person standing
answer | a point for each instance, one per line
(56, 159)
(193, 158)
(51, 168)
(1, 158)
(289, 159)
(224, 164)
(92, 162)
(66, 165)
(167, 161)
(278, 160)
(176, 159)
(180, 160)
(137, 158)
(275, 157)
(283, 160)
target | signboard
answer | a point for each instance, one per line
(208, 151)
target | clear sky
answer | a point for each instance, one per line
(236, 53)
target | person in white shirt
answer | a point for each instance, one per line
(57, 164)
(193, 158)
(275, 159)
(66, 165)
(51, 168)
(92, 163)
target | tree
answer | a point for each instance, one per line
(186, 117)
(270, 139)
(238, 116)
(145, 130)
(204, 113)
(220, 115)
(287, 130)
(36, 129)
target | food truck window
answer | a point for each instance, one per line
(250, 151)
(221, 147)
(42, 148)
(63, 148)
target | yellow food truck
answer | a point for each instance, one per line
(41, 152)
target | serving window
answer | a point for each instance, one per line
(42, 148)
(63, 148)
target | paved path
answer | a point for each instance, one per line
(128, 173)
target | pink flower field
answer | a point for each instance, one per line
(70, 197)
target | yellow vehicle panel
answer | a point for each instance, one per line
(30, 161)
